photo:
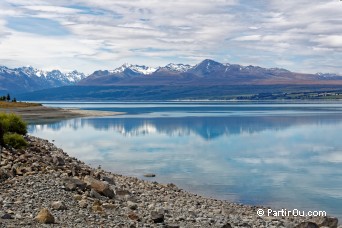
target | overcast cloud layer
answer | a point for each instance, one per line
(299, 35)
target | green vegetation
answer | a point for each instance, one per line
(14, 140)
(12, 129)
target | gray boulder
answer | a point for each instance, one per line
(99, 186)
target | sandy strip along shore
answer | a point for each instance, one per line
(47, 114)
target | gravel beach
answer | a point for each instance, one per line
(41, 186)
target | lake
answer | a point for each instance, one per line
(283, 155)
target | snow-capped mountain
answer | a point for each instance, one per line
(75, 76)
(206, 73)
(69, 77)
(134, 68)
(178, 67)
(27, 78)
(327, 76)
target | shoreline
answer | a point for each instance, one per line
(76, 195)
(49, 114)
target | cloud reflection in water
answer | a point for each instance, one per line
(282, 161)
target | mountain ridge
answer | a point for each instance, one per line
(27, 78)
(206, 73)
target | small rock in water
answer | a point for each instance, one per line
(44, 216)
(149, 175)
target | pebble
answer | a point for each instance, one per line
(131, 205)
(58, 205)
(157, 217)
(7, 216)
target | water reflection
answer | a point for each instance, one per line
(205, 127)
(291, 161)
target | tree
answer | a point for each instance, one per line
(8, 98)
(12, 129)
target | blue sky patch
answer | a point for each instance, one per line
(39, 26)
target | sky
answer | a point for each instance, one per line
(87, 35)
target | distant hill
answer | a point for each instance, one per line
(25, 79)
(185, 92)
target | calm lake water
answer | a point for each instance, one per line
(280, 155)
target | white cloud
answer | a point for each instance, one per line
(52, 9)
(249, 38)
(331, 157)
(332, 41)
(291, 31)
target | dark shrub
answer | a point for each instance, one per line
(14, 140)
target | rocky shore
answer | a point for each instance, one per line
(41, 186)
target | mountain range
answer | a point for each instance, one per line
(207, 73)
(25, 79)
